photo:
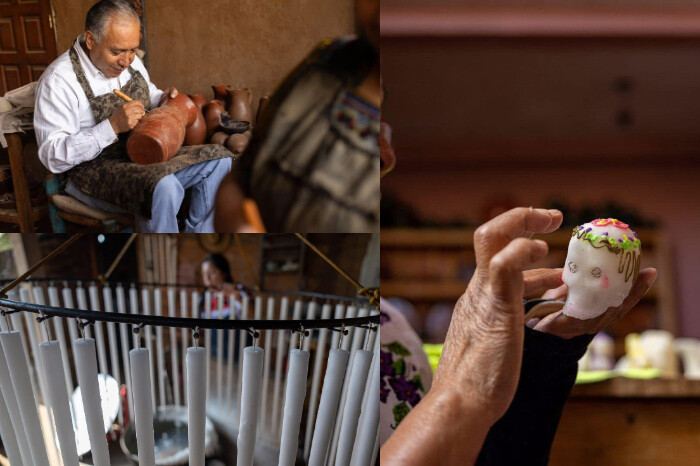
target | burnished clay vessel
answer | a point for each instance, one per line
(237, 143)
(187, 106)
(212, 115)
(197, 133)
(239, 104)
(220, 92)
(199, 100)
(261, 108)
(160, 133)
(219, 138)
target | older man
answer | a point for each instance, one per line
(81, 128)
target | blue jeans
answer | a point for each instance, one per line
(204, 179)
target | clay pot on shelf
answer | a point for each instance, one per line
(186, 105)
(220, 92)
(197, 133)
(158, 135)
(261, 107)
(212, 115)
(199, 100)
(237, 143)
(219, 138)
(239, 104)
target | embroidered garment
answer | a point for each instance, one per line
(405, 375)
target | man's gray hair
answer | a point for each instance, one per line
(104, 11)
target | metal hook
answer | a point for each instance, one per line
(195, 337)
(8, 322)
(255, 334)
(137, 331)
(371, 328)
(81, 326)
(47, 329)
(304, 333)
(343, 332)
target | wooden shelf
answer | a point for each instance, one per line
(622, 387)
(541, 22)
(423, 289)
(464, 238)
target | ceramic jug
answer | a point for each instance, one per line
(239, 104)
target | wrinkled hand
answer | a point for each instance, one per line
(171, 93)
(568, 327)
(482, 353)
(127, 116)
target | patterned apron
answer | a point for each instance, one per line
(112, 176)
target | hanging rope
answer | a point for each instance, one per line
(46, 259)
(103, 278)
(247, 262)
(371, 293)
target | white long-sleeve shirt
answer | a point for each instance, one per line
(65, 127)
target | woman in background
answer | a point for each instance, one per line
(217, 279)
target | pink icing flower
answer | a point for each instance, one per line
(603, 222)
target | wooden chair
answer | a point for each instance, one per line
(25, 215)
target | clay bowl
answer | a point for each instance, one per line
(229, 126)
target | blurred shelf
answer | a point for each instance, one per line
(416, 289)
(541, 22)
(407, 238)
(622, 387)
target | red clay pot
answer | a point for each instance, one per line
(219, 138)
(237, 143)
(212, 115)
(158, 135)
(197, 133)
(261, 107)
(186, 105)
(220, 92)
(199, 100)
(239, 104)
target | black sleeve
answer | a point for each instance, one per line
(524, 435)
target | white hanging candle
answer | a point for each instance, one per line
(17, 365)
(160, 355)
(369, 423)
(174, 350)
(99, 332)
(196, 403)
(250, 404)
(124, 336)
(330, 397)
(55, 374)
(86, 366)
(293, 406)
(143, 405)
(353, 404)
(16, 428)
(316, 380)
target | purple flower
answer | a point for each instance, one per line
(383, 318)
(383, 391)
(386, 364)
(406, 390)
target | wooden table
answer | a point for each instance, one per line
(24, 215)
(630, 422)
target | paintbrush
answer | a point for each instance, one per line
(125, 97)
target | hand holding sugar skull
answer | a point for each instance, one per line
(601, 266)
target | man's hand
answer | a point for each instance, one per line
(568, 327)
(127, 116)
(482, 353)
(171, 93)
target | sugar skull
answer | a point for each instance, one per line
(601, 265)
